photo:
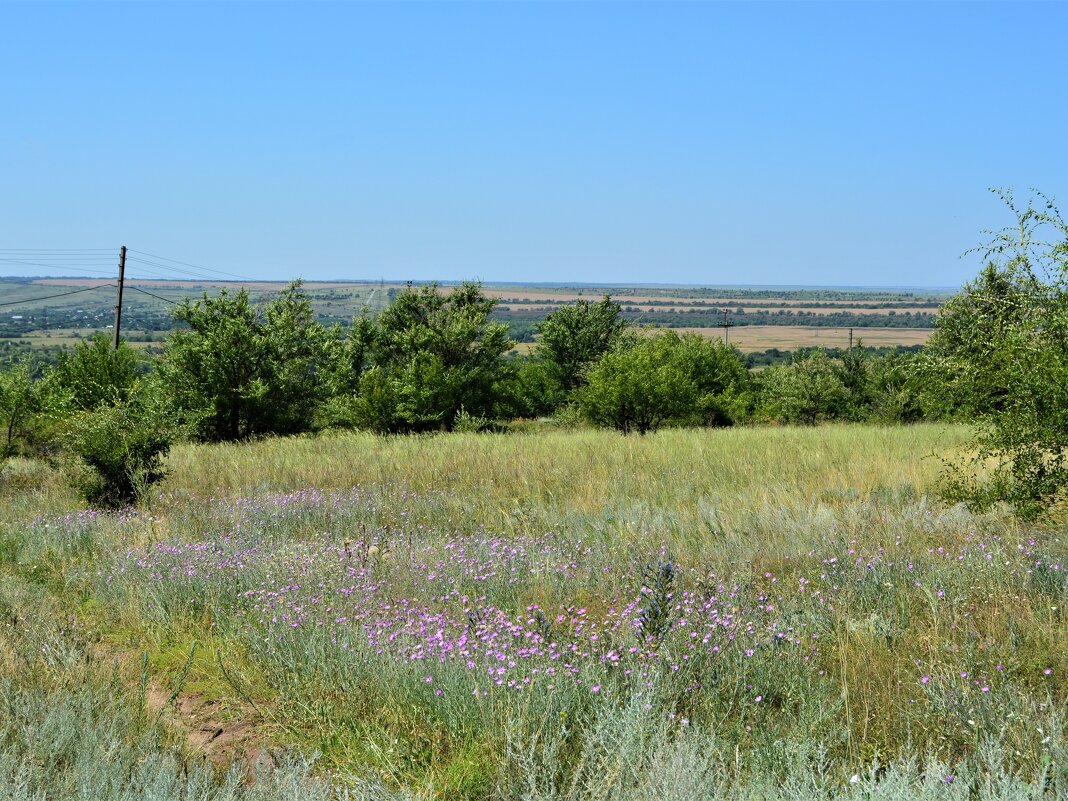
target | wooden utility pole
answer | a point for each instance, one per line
(118, 296)
(726, 329)
(851, 339)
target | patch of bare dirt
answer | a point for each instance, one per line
(223, 734)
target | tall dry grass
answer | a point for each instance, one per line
(696, 488)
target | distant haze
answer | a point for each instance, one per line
(706, 144)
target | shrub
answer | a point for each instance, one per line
(431, 355)
(96, 373)
(853, 369)
(120, 449)
(20, 401)
(470, 424)
(804, 392)
(535, 391)
(895, 393)
(375, 408)
(1003, 345)
(238, 372)
(720, 376)
(638, 386)
(575, 336)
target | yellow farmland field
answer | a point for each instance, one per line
(787, 337)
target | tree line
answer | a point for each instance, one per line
(436, 360)
(430, 361)
(524, 322)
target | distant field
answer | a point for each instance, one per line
(750, 338)
(787, 337)
(540, 308)
(784, 319)
(69, 336)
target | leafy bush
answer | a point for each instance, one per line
(854, 371)
(722, 382)
(535, 390)
(1002, 344)
(470, 424)
(429, 356)
(238, 372)
(120, 449)
(576, 335)
(20, 401)
(645, 382)
(638, 386)
(895, 389)
(804, 392)
(96, 373)
(375, 407)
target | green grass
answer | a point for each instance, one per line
(890, 596)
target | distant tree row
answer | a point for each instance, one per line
(739, 307)
(525, 322)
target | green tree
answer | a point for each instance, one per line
(806, 391)
(20, 402)
(96, 373)
(1003, 345)
(375, 407)
(639, 385)
(895, 389)
(120, 448)
(236, 371)
(968, 365)
(718, 373)
(349, 356)
(853, 370)
(433, 354)
(534, 389)
(575, 336)
(293, 373)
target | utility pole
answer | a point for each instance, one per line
(851, 339)
(726, 325)
(118, 296)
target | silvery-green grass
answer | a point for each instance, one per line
(746, 613)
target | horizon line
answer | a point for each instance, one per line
(515, 283)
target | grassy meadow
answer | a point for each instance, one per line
(772, 613)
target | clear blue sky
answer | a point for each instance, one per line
(708, 143)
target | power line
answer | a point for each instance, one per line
(105, 267)
(52, 256)
(152, 274)
(194, 266)
(79, 268)
(94, 261)
(83, 259)
(152, 270)
(157, 297)
(173, 269)
(60, 295)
